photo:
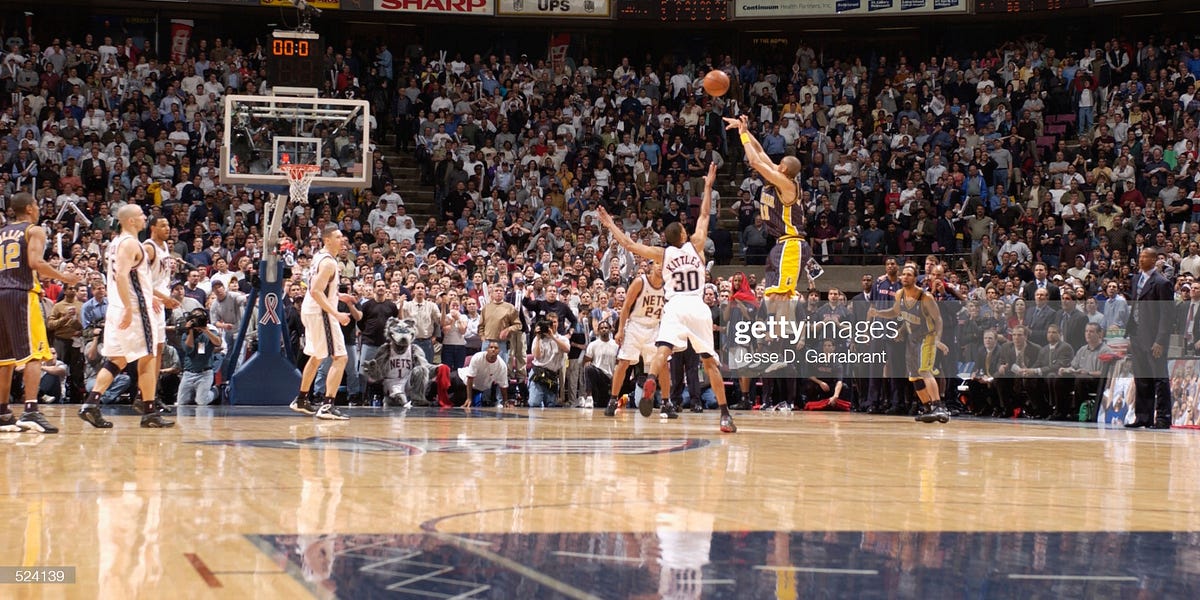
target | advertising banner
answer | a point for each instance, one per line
(595, 9)
(761, 9)
(181, 36)
(559, 45)
(479, 8)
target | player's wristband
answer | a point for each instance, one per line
(745, 138)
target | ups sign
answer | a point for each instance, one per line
(596, 9)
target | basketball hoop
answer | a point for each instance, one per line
(300, 178)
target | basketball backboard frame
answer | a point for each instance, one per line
(253, 118)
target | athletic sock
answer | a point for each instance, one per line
(4, 410)
(724, 410)
(328, 401)
(31, 406)
(93, 399)
(303, 395)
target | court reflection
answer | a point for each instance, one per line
(685, 559)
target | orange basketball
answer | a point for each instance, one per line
(716, 83)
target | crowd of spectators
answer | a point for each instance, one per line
(1019, 163)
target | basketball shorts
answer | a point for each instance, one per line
(638, 343)
(921, 356)
(158, 323)
(785, 267)
(687, 319)
(322, 336)
(22, 328)
(130, 343)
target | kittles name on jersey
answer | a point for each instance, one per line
(683, 261)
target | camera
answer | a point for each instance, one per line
(543, 327)
(197, 319)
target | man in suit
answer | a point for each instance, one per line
(985, 399)
(1149, 330)
(1188, 319)
(1040, 281)
(1016, 375)
(1072, 321)
(1040, 316)
(1055, 356)
(1086, 369)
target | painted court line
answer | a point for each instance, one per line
(818, 570)
(596, 556)
(1072, 577)
(205, 573)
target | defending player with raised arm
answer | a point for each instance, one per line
(686, 318)
(923, 330)
(23, 339)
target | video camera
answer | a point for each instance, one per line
(197, 319)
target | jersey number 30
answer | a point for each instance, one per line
(686, 281)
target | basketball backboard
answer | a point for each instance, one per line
(263, 132)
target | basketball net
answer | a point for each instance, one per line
(300, 178)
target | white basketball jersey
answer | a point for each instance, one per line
(162, 267)
(683, 272)
(310, 306)
(399, 366)
(647, 309)
(139, 279)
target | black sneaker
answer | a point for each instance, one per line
(926, 414)
(156, 421)
(329, 412)
(941, 413)
(8, 423)
(303, 406)
(727, 425)
(34, 420)
(91, 414)
(159, 407)
(611, 409)
(697, 407)
(646, 404)
(668, 411)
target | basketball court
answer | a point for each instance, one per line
(565, 503)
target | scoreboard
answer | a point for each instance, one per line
(296, 59)
(673, 11)
(1022, 6)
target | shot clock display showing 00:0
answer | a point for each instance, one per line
(287, 47)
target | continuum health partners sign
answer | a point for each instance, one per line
(480, 8)
(596, 9)
(750, 9)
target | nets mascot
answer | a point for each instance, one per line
(405, 374)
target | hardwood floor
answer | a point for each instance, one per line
(259, 502)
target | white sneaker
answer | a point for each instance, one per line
(329, 412)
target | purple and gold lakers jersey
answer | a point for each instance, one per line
(15, 273)
(783, 217)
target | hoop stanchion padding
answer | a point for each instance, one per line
(267, 377)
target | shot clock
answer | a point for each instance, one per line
(296, 59)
